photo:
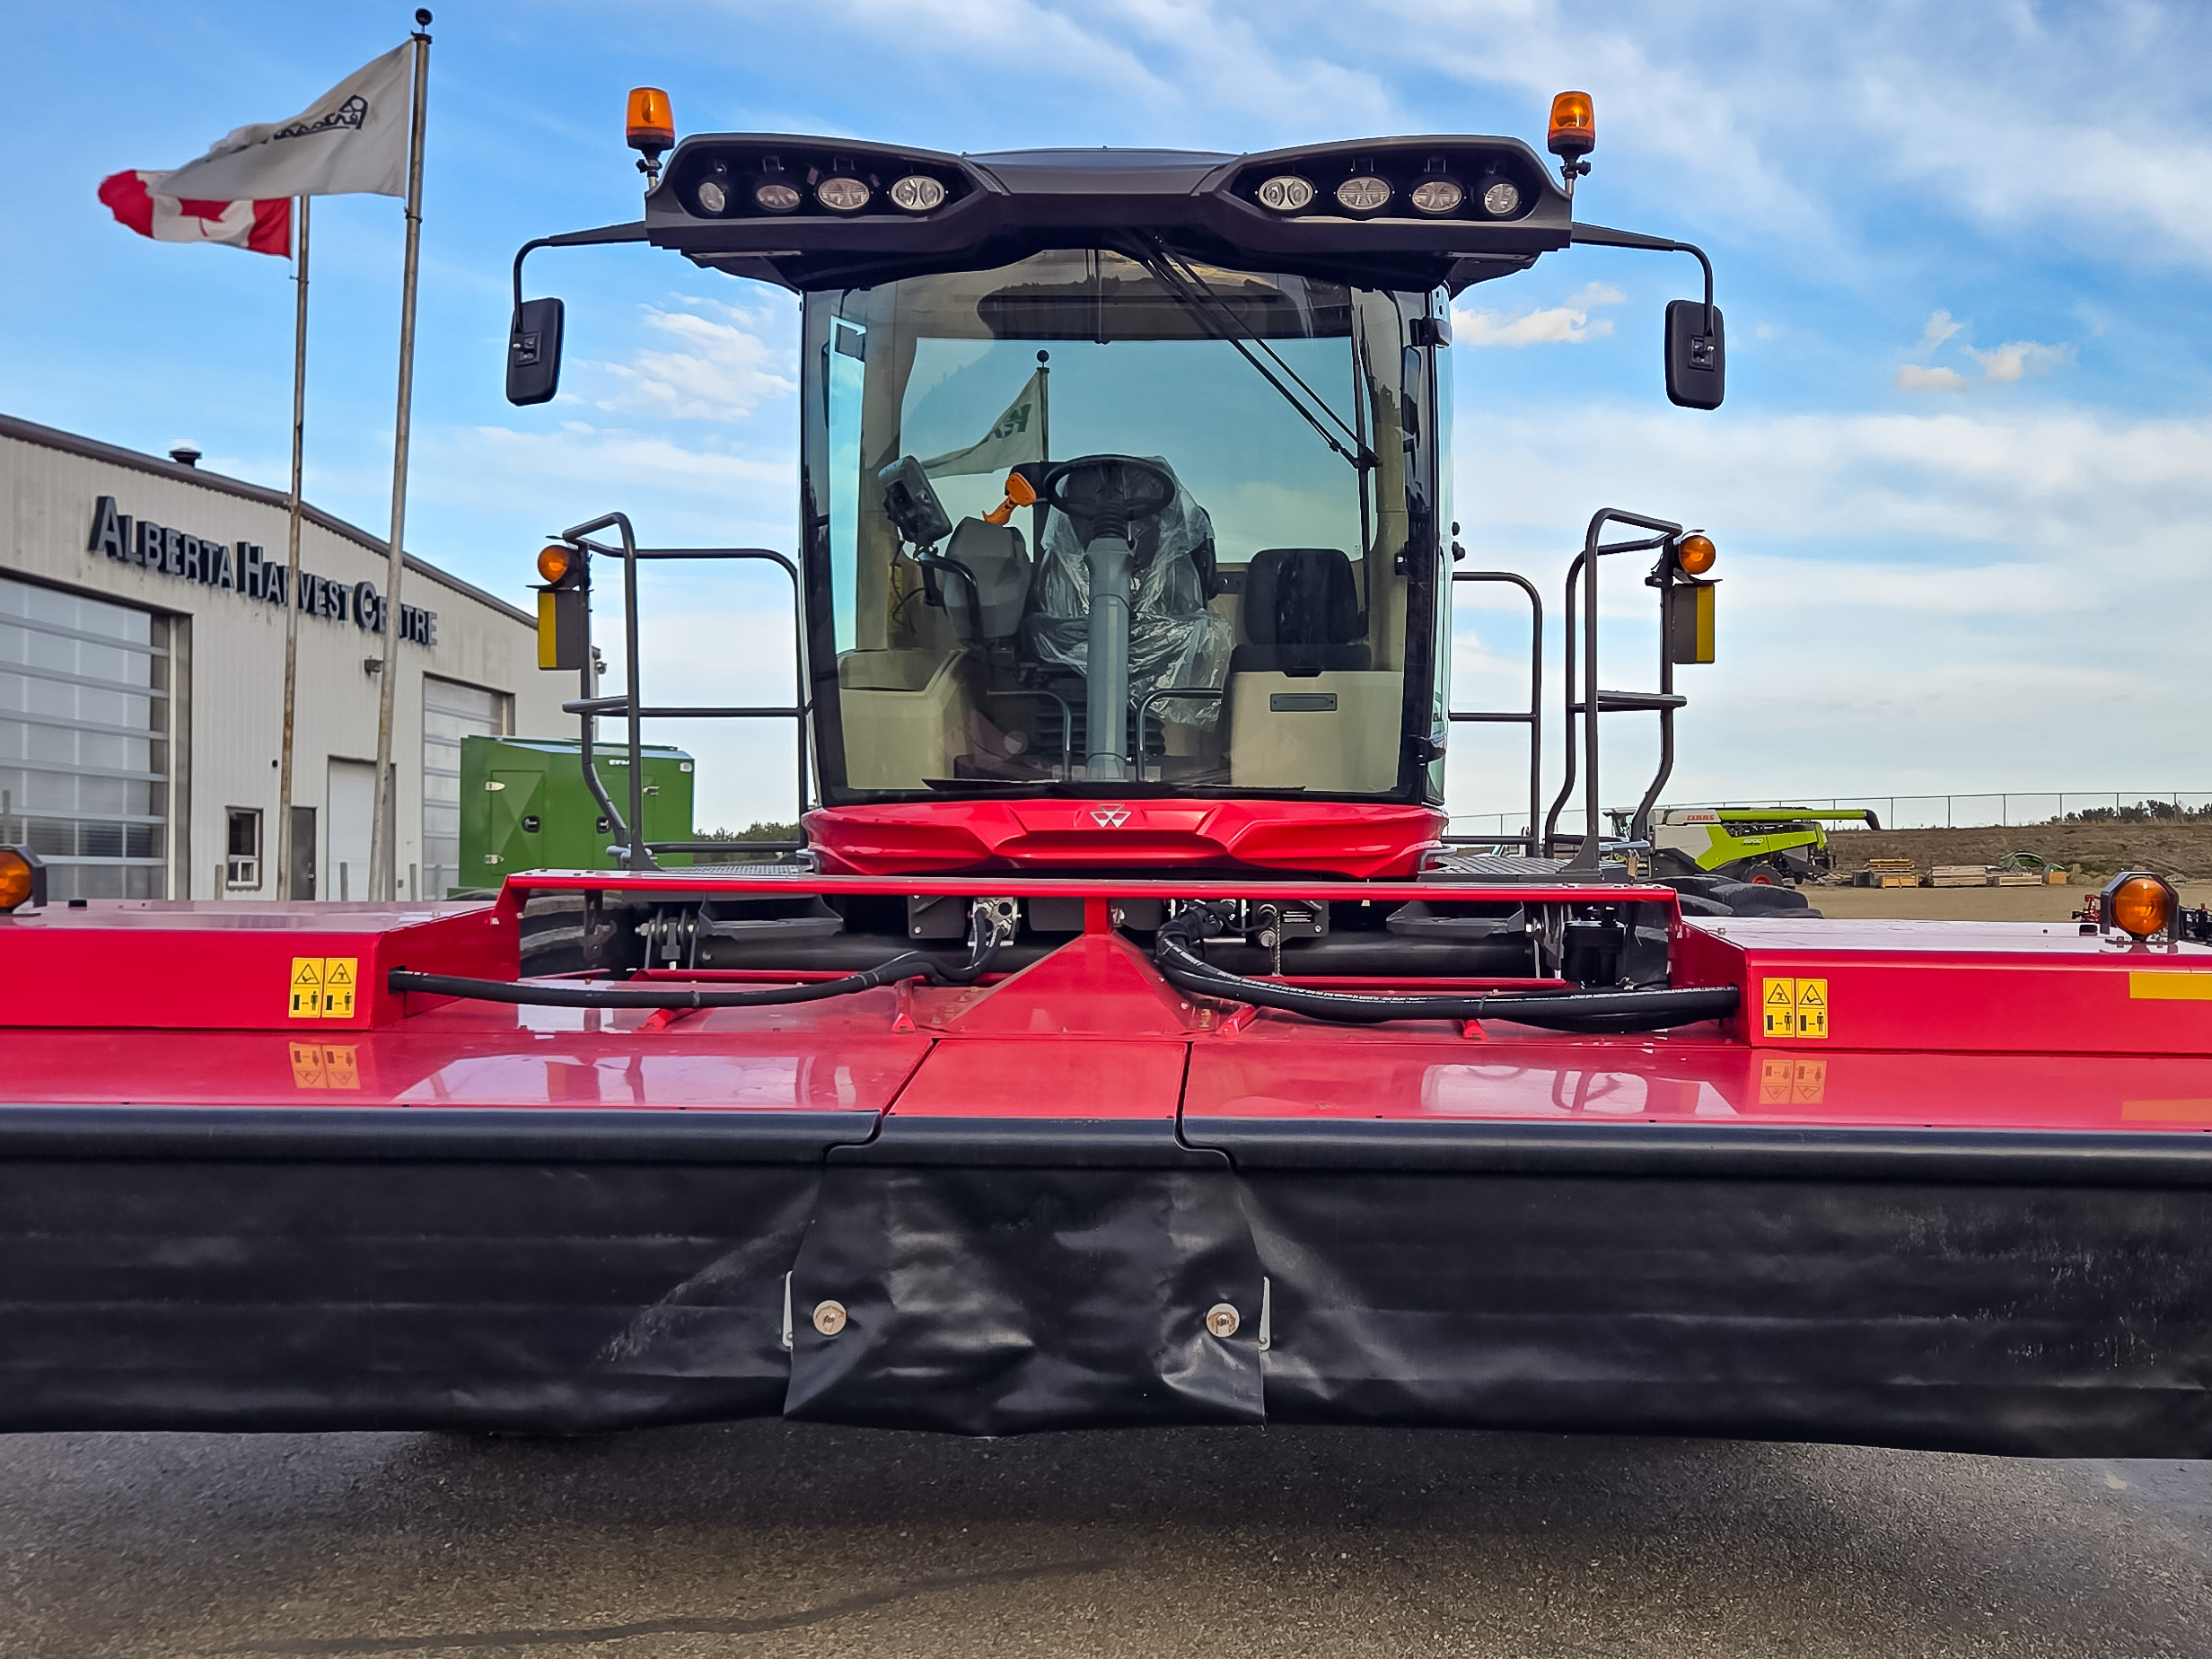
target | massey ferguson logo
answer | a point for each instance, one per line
(1109, 816)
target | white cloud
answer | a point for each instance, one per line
(722, 369)
(1567, 324)
(1941, 326)
(1908, 602)
(2010, 362)
(1918, 377)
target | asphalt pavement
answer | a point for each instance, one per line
(781, 1538)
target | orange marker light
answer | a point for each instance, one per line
(1574, 126)
(2139, 906)
(652, 123)
(1695, 555)
(554, 563)
(19, 880)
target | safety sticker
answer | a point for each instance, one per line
(307, 987)
(1811, 1008)
(339, 974)
(1778, 1003)
(1793, 1008)
(323, 987)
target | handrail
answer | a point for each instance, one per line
(1534, 719)
(637, 853)
(1586, 854)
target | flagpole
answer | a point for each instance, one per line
(383, 876)
(292, 562)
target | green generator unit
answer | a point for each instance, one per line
(525, 805)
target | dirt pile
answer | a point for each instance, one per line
(2169, 848)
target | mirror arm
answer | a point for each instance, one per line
(635, 231)
(1601, 236)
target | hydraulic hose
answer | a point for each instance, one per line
(984, 940)
(1588, 1012)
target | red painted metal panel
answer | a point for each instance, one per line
(231, 966)
(1960, 988)
(1067, 1077)
(1327, 837)
(1278, 1069)
(1096, 985)
(720, 1060)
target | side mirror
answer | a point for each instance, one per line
(534, 352)
(1697, 358)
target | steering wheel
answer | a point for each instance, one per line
(1101, 494)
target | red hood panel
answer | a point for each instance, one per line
(1325, 837)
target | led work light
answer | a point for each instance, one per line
(1364, 194)
(1286, 193)
(917, 193)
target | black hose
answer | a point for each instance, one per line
(1589, 1011)
(983, 942)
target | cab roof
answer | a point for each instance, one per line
(752, 204)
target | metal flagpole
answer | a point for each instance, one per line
(382, 871)
(292, 562)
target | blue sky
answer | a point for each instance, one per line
(1962, 487)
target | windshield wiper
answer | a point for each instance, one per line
(1187, 289)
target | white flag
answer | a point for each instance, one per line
(1017, 436)
(353, 139)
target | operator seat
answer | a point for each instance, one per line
(1302, 615)
(1174, 640)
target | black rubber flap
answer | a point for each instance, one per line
(995, 1301)
(2047, 1320)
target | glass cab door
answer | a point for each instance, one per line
(1283, 595)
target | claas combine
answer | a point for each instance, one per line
(1127, 1043)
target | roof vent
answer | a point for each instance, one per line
(185, 455)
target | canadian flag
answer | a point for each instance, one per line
(135, 200)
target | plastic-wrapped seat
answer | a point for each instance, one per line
(1302, 615)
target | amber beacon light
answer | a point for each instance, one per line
(650, 129)
(1573, 127)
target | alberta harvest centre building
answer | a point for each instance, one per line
(143, 607)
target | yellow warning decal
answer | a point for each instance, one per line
(2169, 986)
(1795, 1007)
(1777, 1001)
(340, 974)
(1813, 1008)
(307, 987)
(323, 987)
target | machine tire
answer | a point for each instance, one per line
(1764, 875)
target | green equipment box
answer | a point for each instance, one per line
(525, 805)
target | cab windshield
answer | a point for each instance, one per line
(1273, 427)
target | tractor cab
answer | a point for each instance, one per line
(1125, 532)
